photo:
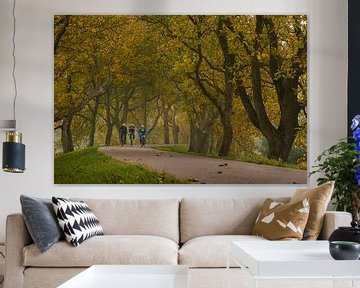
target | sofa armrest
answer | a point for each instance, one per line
(333, 220)
(17, 237)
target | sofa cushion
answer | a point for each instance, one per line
(107, 249)
(211, 251)
(41, 221)
(77, 220)
(201, 217)
(158, 217)
(279, 221)
(319, 198)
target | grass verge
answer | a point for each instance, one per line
(89, 166)
(258, 159)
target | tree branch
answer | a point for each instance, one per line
(60, 34)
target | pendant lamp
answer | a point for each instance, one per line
(13, 160)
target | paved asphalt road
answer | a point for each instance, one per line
(205, 170)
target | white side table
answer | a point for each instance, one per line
(294, 262)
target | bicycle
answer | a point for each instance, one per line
(142, 140)
(132, 138)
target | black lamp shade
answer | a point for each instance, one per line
(13, 157)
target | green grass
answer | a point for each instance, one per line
(89, 166)
(181, 148)
(258, 159)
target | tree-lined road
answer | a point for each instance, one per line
(205, 170)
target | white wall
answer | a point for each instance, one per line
(327, 89)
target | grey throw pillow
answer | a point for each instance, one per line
(41, 221)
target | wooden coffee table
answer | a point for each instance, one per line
(293, 260)
(131, 276)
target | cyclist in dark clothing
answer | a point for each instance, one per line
(123, 133)
(132, 134)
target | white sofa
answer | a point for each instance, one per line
(194, 232)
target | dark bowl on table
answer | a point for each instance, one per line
(344, 250)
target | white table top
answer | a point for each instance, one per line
(131, 276)
(291, 259)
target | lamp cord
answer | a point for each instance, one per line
(14, 59)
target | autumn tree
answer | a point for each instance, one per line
(276, 55)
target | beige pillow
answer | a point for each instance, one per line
(319, 198)
(279, 221)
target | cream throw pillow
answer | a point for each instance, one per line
(279, 221)
(319, 198)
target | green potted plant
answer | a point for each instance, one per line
(341, 163)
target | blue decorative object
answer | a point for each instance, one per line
(355, 122)
(357, 147)
(356, 134)
(357, 176)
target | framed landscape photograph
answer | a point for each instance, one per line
(188, 99)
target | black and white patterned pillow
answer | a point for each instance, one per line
(77, 220)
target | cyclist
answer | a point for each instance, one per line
(142, 135)
(132, 133)
(123, 132)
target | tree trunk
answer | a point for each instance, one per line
(166, 124)
(192, 135)
(109, 132)
(109, 124)
(227, 135)
(66, 136)
(204, 142)
(144, 115)
(93, 122)
(201, 131)
(226, 108)
(124, 116)
(175, 127)
(278, 148)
